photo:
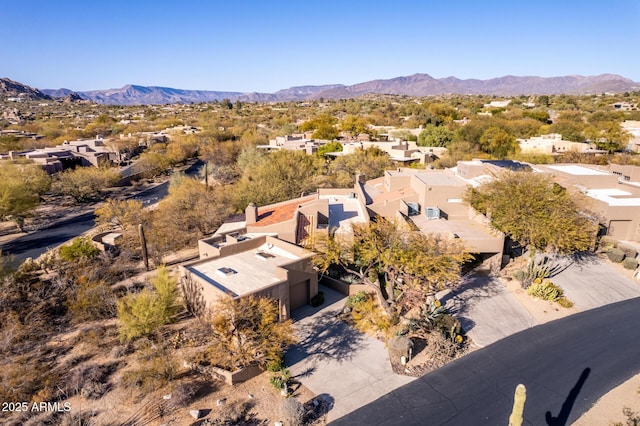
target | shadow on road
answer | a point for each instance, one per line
(325, 336)
(474, 288)
(563, 415)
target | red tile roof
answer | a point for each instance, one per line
(270, 215)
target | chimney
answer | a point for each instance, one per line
(251, 214)
(361, 178)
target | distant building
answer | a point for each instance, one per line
(633, 128)
(552, 144)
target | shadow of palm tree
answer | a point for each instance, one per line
(325, 336)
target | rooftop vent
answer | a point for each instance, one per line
(225, 272)
(264, 255)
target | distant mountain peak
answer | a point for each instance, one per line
(418, 85)
(14, 89)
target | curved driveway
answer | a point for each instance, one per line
(566, 365)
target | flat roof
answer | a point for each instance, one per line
(343, 212)
(467, 230)
(609, 196)
(578, 170)
(246, 272)
(440, 178)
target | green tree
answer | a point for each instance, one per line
(190, 211)
(245, 331)
(433, 135)
(123, 214)
(329, 147)
(413, 265)
(276, 177)
(21, 186)
(85, 183)
(81, 248)
(141, 314)
(372, 162)
(354, 124)
(498, 143)
(533, 210)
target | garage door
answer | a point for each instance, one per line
(299, 295)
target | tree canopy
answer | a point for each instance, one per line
(533, 210)
(433, 135)
(412, 264)
(21, 186)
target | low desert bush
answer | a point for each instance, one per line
(80, 248)
(564, 302)
(545, 290)
(630, 263)
(157, 368)
(292, 412)
(229, 415)
(615, 255)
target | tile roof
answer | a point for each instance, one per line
(278, 213)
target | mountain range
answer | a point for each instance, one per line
(417, 85)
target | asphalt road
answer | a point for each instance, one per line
(566, 366)
(34, 244)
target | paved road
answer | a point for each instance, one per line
(566, 366)
(36, 243)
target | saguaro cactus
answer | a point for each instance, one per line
(515, 419)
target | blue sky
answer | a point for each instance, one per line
(267, 45)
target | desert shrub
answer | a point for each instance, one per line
(357, 298)
(545, 290)
(27, 379)
(184, 394)
(538, 268)
(292, 412)
(230, 415)
(156, 369)
(630, 263)
(119, 351)
(317, 300)
(628, 251)
(141, 314)
(246, 331)
(274, 365)
(615, 255)
(88, 380)
(564, 302)
(632, 418)
(89, 300)
(80, 248)
(83, 418)
(279, 380)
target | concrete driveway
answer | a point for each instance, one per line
(486, 309)
(337, 362)
(592, 282)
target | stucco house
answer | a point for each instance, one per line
(257, 265)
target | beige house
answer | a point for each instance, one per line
(614, 195)
(633, 128)
(257, 265)
(433, 201)
(552, 144)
